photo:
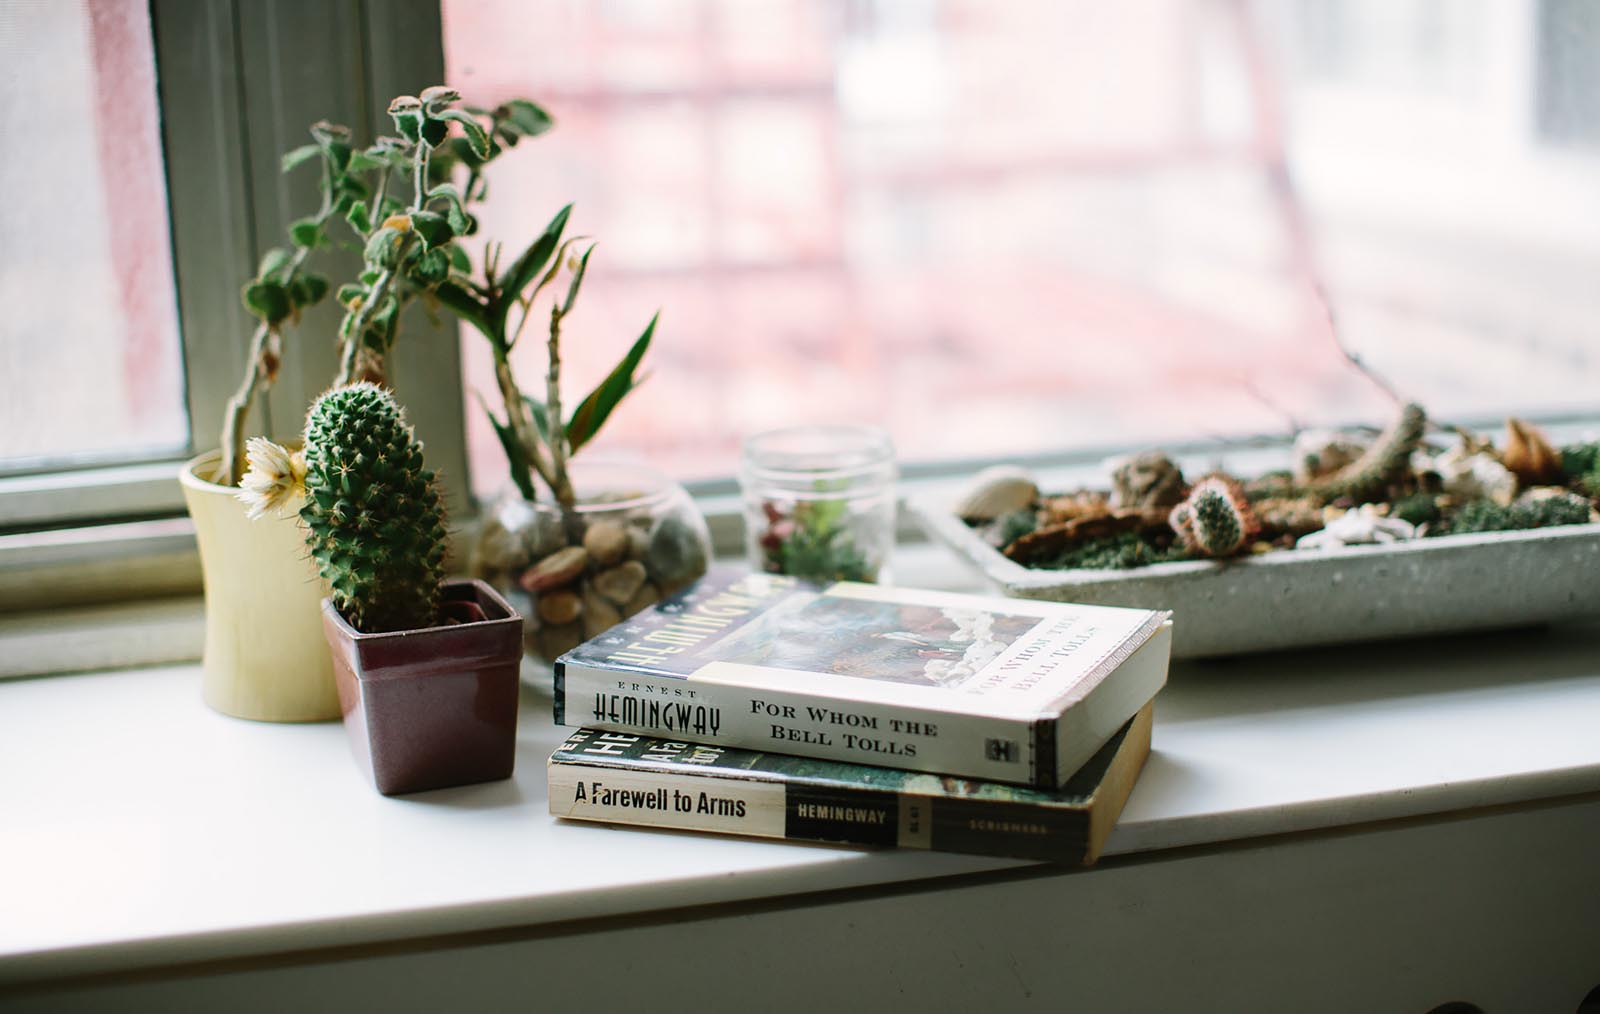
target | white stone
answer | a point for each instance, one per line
(1468, 476)
(997, 490)
(1358, 528)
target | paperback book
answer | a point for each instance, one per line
(1006, 690)
(620, 778)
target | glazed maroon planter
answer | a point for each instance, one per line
(430, 708)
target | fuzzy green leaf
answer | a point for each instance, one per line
(365, 161)
(360, 217)
(593, 411)
(300, 155)
(434, 132)
(459, 260)
(349, 291)
(384, 247)
(347, 184)
(525, 117)
(476, 136)
(267, 300)
(432, 268)
(307, 232)
(432, 227)
(339, 153)
(455, 214)
(527, 267)
(461, 148)
(315, 287)
(445, 192)
(272, 262)
(409, 123)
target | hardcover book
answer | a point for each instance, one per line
(625, 779)
(1006, 690)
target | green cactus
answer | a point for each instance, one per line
(1385, 462)
(1216, 519)
(372, 511)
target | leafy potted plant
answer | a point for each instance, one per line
(607, 540)
(426, 668)
(264, 655)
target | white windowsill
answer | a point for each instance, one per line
(141, 830)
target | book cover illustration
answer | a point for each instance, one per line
(859, 634)
(978, 686)
(900, 642)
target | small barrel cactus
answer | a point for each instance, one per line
(372, 511)
(1216, 519)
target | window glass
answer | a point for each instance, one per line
(1022, 227)
(89, 354)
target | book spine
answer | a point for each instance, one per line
(913, 739)
(800, 811)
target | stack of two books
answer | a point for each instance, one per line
(861, 714)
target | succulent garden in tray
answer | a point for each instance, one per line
(1345, 488)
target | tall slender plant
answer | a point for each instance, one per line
(408, 246)
(538, 437)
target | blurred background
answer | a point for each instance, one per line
(997, 229)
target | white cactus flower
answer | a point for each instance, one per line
(275, 477)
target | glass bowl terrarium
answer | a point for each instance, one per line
(633, 537)
(819, 502)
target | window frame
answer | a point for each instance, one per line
(238, 83)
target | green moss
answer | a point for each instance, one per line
(1480, 516)
(1580, 460)
(1114, 552)
(1561, 509)
(1488, 516)
(1417, 509)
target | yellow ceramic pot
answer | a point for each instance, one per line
(265, 655)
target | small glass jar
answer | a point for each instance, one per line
(819, 502)
(634, 538)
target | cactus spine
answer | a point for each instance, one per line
(1216, 519)
(372, 511)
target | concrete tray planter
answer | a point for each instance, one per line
(1301, 597)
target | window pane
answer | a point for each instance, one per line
(1007, 228)
(89, 354)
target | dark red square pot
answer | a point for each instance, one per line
(430, 708)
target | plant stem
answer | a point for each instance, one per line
(229, 471)
(352, 341)
(380, 287)
(561, 484)
(521, 422)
